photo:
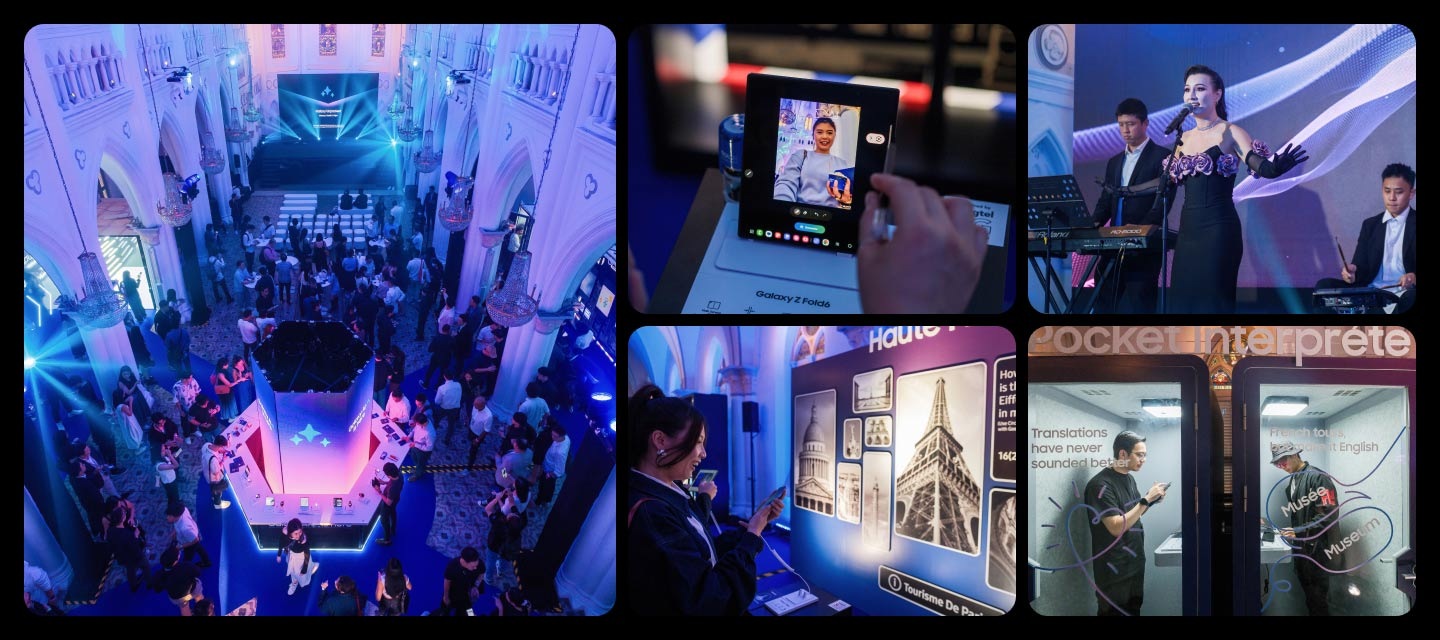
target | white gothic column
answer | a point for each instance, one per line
(44, 551)
(482, 254)
(587, 577)
(164, 257)
(527, 348)
(107, 350)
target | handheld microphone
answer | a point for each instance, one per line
(1179, 118)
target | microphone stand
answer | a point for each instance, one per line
(1165, 231)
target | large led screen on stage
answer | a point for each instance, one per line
(329, 106)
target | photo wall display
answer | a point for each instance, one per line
(932, 498)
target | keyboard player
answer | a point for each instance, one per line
(1133, 286)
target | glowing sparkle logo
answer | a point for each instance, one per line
(327, 93)
(324, 442)
(295, 439)
(309, 433)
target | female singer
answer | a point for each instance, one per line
(1208, 252)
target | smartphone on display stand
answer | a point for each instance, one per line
(805, 178)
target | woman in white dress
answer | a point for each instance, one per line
(131, 407)
(299, 568)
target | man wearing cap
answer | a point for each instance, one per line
(1312, 506)
(1113, 496)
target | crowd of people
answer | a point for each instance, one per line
(367, 291)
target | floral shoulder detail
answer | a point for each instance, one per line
(1184, 166)
(1261, 149)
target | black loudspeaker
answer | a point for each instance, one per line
(750, 416)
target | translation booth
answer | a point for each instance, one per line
(892, 450)
(1326, 460)
(1119, 494)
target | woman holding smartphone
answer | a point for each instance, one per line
(677, 567)
(805, 177)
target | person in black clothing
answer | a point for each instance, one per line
(1133, 287)
(347, 202)
(137, 344)
(367, 308)
(442, 348)
(204, 415)
(513, 603)
(1387, 241)
(87, 481)
(392, 589)
(1313, 506)
(389, 500)
(346, 600)
(362, 200)
(487, 366)
(676, 567)
(427, 300)
(461, 576)
(548, 391)
(464, 341)
(180, 581)
(385, 328)
(432, 202)
(162, 431)
(1116, 502)
(127, 543)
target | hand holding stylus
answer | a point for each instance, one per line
(932, 262)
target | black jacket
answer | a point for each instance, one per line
(670, 559)
(1144, 209)
(1370, 248)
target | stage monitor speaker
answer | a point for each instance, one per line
(750, 414)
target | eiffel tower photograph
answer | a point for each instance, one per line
(939, 449)
(814, 421)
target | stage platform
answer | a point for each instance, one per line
(317, 166)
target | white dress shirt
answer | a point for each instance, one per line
(1393, 264)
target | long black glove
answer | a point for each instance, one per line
(1284, 161)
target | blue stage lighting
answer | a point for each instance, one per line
(612, 425)
(602, 396)
(392, 142)
(29, 363)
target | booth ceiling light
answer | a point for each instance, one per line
(1162, 407)
(602, 396)
(1284, 405)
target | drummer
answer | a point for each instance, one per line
(1384, 256)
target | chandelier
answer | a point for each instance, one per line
(397, 105)
(102, 306)
(513, 305)
(235, 130)
(252, 112)
(173, 210)
(212, 160)
(455, 215)
(408, 130)
(427, 159)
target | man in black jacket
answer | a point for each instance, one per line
(1385, 253)
(442, 348)
(1132, 288)
(1313, 507)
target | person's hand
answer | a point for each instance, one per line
(1287, 532)
(1348, 273)
(843, 197)
(1156, 492)
(932, 263)
(1288, 157)
(765, 514)
(707, 486)
(324, 585)
(1407, 281)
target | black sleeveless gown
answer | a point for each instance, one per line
(1208, 251)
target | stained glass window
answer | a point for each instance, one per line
(277, 41)
(327, 39)
(377, 40)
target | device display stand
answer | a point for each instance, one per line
(775, 260)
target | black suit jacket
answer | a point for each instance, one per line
(1370, 248)
(1138, 209)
